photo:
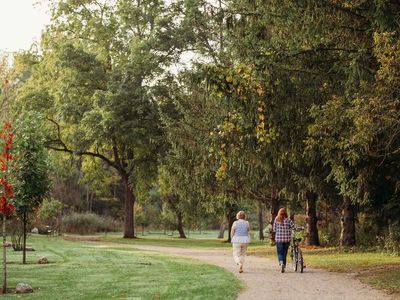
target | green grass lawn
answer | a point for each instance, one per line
(206, 239)
(377, 269)
(84, 271)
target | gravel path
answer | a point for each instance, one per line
(264, 281)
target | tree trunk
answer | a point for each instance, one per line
(231, 217)
(129, 229)
(24, 221)
(200, 228)
(261, 220)
(180, 225)
(88, 198)
(312, 228)
(4, 287)
(221, 230)
(348, 234)
(274, 213)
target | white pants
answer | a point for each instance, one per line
(239, 252)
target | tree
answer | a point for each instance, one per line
(94, 84)
(6, 207)
(32, 181)
(170, 196)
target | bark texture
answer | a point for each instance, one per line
(274, 213)
(180, 225)
(129, 226)
(261, 220)
(348, 216)
(221, 230)
(312, 220)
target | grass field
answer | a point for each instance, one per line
(207, 239)
(82, 271)
(374, 268)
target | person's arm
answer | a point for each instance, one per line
(291, 225)
(294, 227)
(233, 229)
(274, 226)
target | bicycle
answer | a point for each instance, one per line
(296, 254)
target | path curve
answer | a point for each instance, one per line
(264, 281)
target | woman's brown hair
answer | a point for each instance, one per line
(282, 214)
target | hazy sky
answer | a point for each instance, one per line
(21, 23)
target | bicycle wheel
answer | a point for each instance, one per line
(293, 254)
(300, 262)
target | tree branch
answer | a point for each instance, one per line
(50, 145)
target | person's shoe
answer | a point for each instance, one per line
(240, 268)
(282, 268)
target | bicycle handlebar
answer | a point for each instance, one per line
(298, 229)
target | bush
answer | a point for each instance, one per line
(88, 223)
(16, 231)
(390, 242)
(49, 210)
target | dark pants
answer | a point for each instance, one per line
(282, 249)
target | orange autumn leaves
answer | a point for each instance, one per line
(6, 193)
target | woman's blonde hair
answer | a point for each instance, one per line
(241, 215)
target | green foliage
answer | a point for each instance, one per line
(281, 97)
(49, 209)
(390, 241)
(31, 178)
(95, 83)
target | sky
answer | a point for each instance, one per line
(21, 23)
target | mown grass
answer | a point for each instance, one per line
(85, 271)
(374, 268)
(195, 240)
(334, 259)
(383, 278)
(377, 269)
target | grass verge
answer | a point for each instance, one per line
(377, 269)
(82, 271)
(206, 240)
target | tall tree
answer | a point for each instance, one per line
(94, 84)
(32, 181)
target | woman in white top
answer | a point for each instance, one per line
(240, 237)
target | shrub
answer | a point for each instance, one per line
(15, 230)
(49, 210)
(390, 242)
(88, 223)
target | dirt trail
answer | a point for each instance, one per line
(264, 281)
